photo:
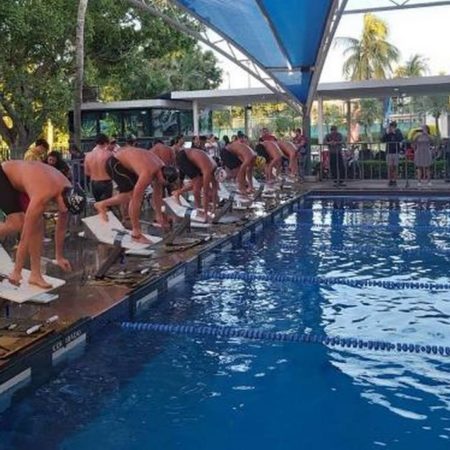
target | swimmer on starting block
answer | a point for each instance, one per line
(94, 166)
(291, 152)
(133, 170)
(270, 151)
(239, 150)
(204, 174)
(26, 188)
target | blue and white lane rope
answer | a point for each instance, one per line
(300, 279)
(372, 227)
(277, 336)
(363, 250)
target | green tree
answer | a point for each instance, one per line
(127, 55)
(35, 67)
(369, 112)
(372, 55)
(416, 66)
(332, 115)
(435, 105)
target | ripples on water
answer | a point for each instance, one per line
(144, 391)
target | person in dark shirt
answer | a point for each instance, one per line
(54, 159)
(334, 140)
(393, 138)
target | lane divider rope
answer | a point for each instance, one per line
(377, 249)
(372, 227)
(377, 211)
(257, 334)
(317, 280)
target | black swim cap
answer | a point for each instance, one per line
(170, 174)
(75, 199)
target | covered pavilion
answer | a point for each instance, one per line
(347, 91)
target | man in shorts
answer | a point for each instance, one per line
(270, 151)
(26, 188)
(133, 170)
(238, 154)
(203, 172)
(95, 168)
(393, 138)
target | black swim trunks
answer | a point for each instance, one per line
(230, 160)
(10, 201)
(261, 151)
(186, 166)
(124, 178)
(101, 190)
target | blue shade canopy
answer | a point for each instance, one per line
(281, 36)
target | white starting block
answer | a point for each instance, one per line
(114, 233)
(240, 202)
(185, 209)
(24, 292)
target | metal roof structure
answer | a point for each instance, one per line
(283, 44)
(395, 87)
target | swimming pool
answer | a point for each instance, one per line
(141, 390)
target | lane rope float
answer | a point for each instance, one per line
(317, 280)
(277, 336)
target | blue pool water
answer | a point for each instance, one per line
(140, 390)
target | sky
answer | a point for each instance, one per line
(425, 31)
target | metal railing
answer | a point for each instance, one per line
(368, 161)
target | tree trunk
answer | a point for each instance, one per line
(436, 122)
(79, 71)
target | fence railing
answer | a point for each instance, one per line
(368, 161)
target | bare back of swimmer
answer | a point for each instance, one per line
(248, 158)
(95, 168)
(27, 187)
(134, 169)
(291, 152)
(273, 156)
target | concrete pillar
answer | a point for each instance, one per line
(247, 119)
(307, 132)
(349, 120)
(195, 117)
(320, 120)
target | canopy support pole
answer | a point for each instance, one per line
(320, 119)
(247, 119)
(307, 133)
(195, 117)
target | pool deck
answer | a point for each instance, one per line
(86, 304)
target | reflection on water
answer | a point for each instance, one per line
(151, 391)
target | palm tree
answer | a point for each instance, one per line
(79, 71)
(416, 66)
(372, 55)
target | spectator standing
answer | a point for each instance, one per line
(334, 140)
(77, 158)
(422, 155)
(38, 152)
(393, 138)
(302, 144)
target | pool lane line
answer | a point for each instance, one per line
(376, 211)
(277, 336)
(327, 281)
(435, 251)
(370, 227)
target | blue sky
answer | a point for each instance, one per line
(423, 30)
